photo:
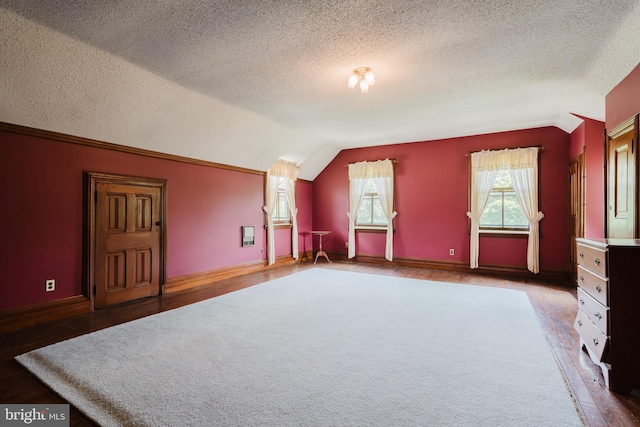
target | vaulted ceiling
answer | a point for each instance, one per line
(246, 82)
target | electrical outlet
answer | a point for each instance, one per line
(50, 285)
(261, 250)
(452, 252)
(346, 245)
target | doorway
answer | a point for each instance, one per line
(125, 238)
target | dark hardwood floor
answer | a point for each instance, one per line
(555, 305)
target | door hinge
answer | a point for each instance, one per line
(95, 197)
(94, 290)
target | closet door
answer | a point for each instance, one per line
(124, 237)
(127, 243)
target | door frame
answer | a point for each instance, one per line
(579, 207)
(91, 179)
(630, 124)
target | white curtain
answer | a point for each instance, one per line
(356, 192)
(384, 185)
(281, 171)
(524, 177)
(381, 172)
(522, 164)
(271, 196)
(482, 180)
(290, 192)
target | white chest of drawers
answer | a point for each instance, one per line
(608, 319)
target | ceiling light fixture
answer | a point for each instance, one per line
(362, 76)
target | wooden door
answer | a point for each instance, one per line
(621, 194)
(576, 210)
(127, 259)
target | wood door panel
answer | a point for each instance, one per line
(117, 213)
(143, 213)
(116, 271)
(621, 171)
(621, 197)
(143, 267)
(127, 242)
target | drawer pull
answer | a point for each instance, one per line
(581, 301)
(579, 322)
(597, 261)
(581, 255)
(598, 315)
(595, 341)
(582, 278)
(598, 288)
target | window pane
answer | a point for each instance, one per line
(378, 213)
(503, 180)
(370, 211)
(282, 211)
(364, 212)
(282, 207)
(492, 214)
(370, 186)
(513, 215)
(503, 210)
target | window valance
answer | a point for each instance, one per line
(510, 158)
(374, 169)
(282, 168)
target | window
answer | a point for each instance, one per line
(371, 201)
(280, 204)
(281, 214)
(503, 212)
(492, 204)
(370, 212)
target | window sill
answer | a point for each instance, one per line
(279, 226)
(371, 229)
(505, 233)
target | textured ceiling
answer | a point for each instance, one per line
(244, 83)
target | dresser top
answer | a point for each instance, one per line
(604, 243)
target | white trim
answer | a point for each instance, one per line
(623, 128)
(503, 231)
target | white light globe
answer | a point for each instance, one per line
(353, 81)
(369, 77)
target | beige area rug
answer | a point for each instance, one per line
(320, 348)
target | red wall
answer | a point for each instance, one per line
(594, 226)
(41, 187)
(577, 143)
(589, 137)
(304, 202)
(41, 213)
(623, 102)
(432, 181)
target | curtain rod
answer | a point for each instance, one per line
(539, 147)
(394, 161)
